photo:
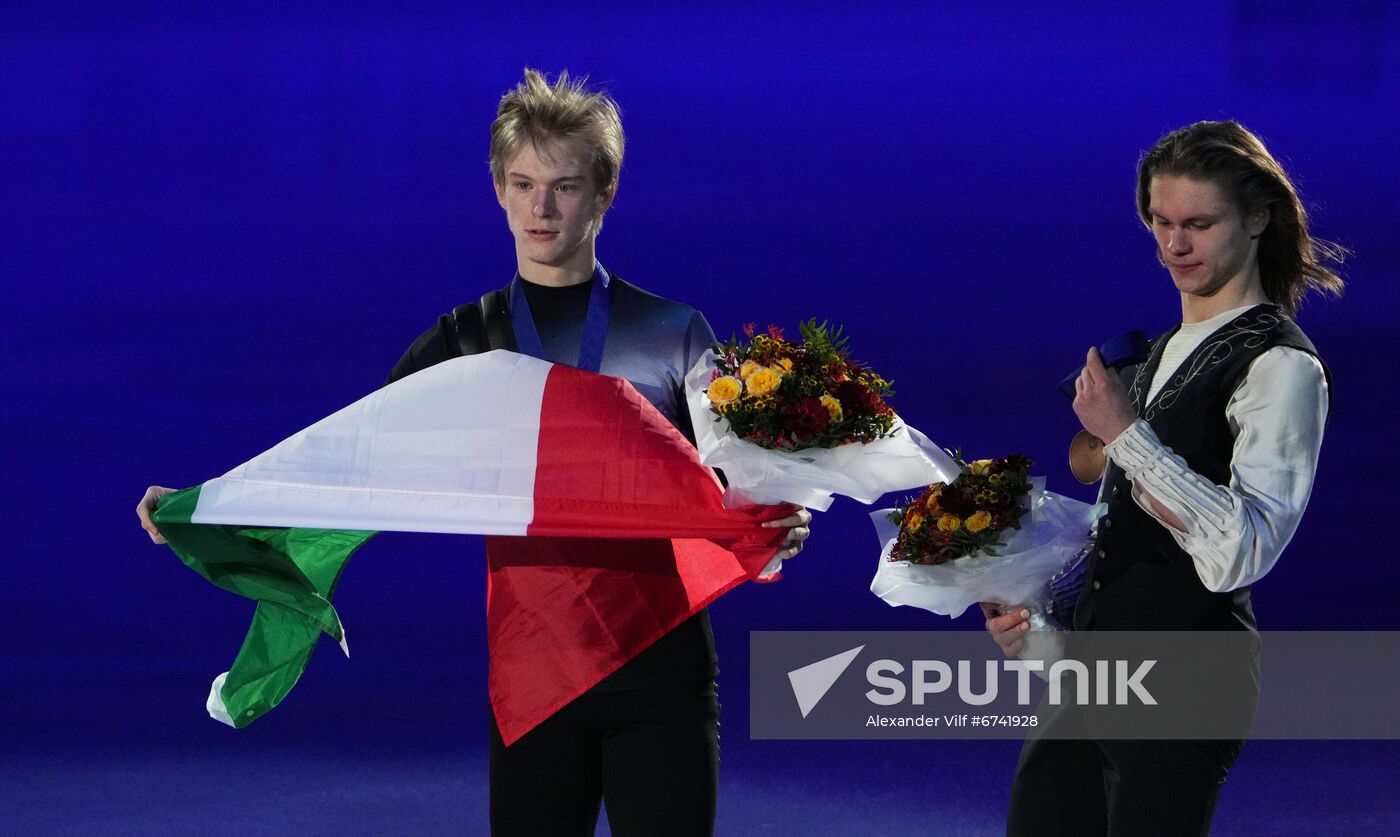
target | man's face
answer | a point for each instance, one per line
(1201, 237)
(552, 204)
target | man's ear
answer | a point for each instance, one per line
(604, 199)
(500, 192)
(1257, 221)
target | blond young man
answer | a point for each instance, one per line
(644, 738)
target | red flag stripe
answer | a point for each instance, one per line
(563, 613)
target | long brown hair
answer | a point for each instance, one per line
(1291, 262)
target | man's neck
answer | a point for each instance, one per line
(574, 272)
(1239, 292)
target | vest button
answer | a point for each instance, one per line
(1097, 585)
(1115, 491)
(1103, 554)
(1108, 523)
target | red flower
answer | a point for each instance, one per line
(806, 419)
(954, 500)
(855, 397)
(1019, 462)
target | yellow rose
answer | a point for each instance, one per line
(980, 466)
(914, 522)
(833, 407)
(725, 390)
(783, 365)
(749, 367)
(949, 523)
(979, 521)
(764, 381)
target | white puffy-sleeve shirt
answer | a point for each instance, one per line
(1234, 533)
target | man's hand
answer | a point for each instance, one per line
(1101, 401)
(796, 524)
(1007, 631)
(147, 506)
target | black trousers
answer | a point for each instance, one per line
(652, 754)
(1081, 787)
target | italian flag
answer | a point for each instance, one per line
(606, 531)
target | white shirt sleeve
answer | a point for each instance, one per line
(1235, 533)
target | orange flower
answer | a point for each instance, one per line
(764, 381)
(783, 365)
(949, 523)
(749, 367)
(725, 390)
(979, 521)
(914, 522)
(933, 496)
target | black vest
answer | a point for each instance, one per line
(1137, 577)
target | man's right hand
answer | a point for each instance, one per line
(147, 507)
(1009, 630)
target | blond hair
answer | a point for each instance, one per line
(536, 111)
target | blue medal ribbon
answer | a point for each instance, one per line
(1123, 350)
(595, 325)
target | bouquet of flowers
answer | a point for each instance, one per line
(993, 534)
(948, 521)
(789, 396)
(800, 421)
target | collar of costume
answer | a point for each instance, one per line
(595, 325)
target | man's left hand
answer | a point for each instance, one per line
(796, 524)
(1101, 401)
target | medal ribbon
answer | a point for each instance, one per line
(595, 325)
(1123, 350)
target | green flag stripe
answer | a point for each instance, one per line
(291, 573)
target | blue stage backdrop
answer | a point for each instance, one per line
(218, 225)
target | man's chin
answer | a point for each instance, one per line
(1196, 285)
(550, 256)
(545, 256)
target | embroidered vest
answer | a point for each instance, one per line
(1137, 577)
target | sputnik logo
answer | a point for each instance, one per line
(811, 682)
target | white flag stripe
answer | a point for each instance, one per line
(449, 449)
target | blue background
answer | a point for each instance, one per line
(218, 225)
